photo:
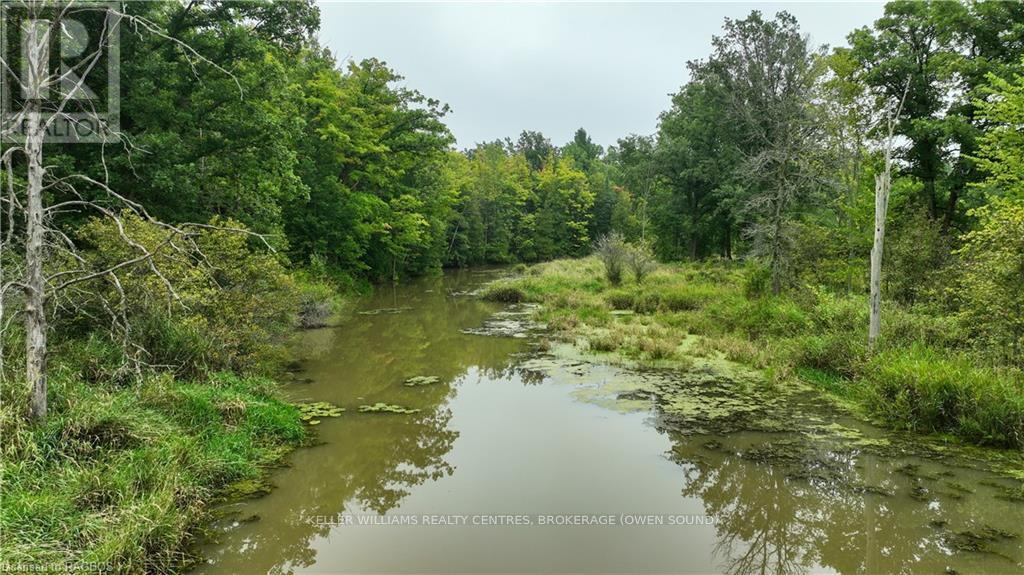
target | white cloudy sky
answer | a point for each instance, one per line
(553, 67)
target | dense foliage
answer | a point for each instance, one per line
(302, 176)
(766, 153)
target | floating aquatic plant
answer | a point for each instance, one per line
(386, 408)
(421, 380)
(312, 412)
(978, 541)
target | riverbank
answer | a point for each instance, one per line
(922, 378)
(125, 470)
(119, 479)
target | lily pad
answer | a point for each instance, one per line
(312, 412)
(386, 408)
(421, 380)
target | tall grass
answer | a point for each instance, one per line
(122, 476)
(919, 388)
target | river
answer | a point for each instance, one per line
(524, 461)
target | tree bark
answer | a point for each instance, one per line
(35, 314)
(881, 207)
(883, 183)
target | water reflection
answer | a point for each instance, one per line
(788, 505)
(368, 461)
(497, 435)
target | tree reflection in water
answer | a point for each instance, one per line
(785, 505)
(785, 502)
(370, 462)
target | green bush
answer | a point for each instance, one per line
(917, 259)
(770, 317)
(647, 301)
(836, 353)
(685, 297)
(992, 283)
(640, 260)
(757, 279)
(235, 295)
(318, 303)
(656, 348)
(605, 342)
(612, 250)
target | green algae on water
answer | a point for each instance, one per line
(977, 541)
(247, 489)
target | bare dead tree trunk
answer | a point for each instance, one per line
(883, 183)
(37, 81)
(37, 53)
(882, 187)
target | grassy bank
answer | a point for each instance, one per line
(156, 416)
(924, 376)
(122, 476)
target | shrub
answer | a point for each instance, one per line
(757, 280)
(836, 353)
(620, 299)
(612, 251)
(772, 316)
(738, 349)
(318, 302)
(605, 341)
(685, 297)
(916, 261)
(237, 297)
(640, 260)
(647, 302)
(655, 347)
(991, 286)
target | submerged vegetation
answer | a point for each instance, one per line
(928, 374)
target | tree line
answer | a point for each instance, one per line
(234, 116)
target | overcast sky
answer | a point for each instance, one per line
(506, 67)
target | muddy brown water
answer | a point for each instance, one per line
(514, 464)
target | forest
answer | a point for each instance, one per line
(258, 182)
